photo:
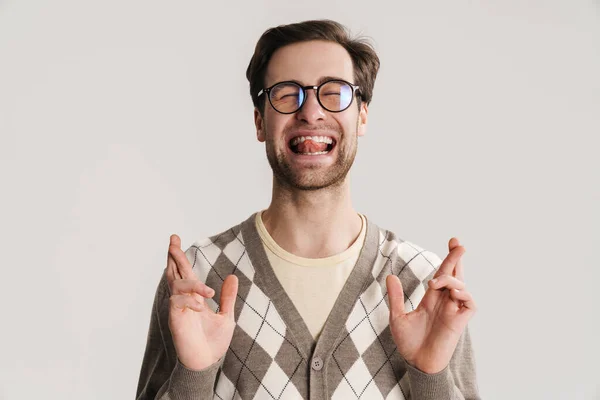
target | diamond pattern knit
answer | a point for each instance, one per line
(272, 354)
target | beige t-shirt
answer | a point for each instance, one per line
(313, 284)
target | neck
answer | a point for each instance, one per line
(312, 224)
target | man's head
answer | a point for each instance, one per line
(309, 54)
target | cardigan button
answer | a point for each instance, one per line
(317, 363)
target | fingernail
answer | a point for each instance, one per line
(434, 281)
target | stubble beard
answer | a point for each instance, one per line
(313, 177)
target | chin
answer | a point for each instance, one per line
(310, 180)
(308, 176)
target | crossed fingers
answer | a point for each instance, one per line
(450, 276)
(187, 291)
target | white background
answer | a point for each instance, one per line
(123, 122)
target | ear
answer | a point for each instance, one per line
(362, 119)
(259, 123)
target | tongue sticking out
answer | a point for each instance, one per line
(308, 146)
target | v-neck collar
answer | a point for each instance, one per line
(267, 281)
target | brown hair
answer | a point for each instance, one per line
(364, 58)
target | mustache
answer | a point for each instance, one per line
(321, 128)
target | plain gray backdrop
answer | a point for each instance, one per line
(123, 122)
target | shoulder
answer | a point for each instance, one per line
(414, 264)
(207, 252)
(407, 252)
(215, 257)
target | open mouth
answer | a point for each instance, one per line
(312, 145)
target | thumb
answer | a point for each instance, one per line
(228, 295)
(395, 295)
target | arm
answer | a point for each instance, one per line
(162, 375)
(433, 339)
(458, 381)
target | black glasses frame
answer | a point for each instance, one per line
(267, 91)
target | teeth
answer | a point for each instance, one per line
(314, 154)
(320, 139)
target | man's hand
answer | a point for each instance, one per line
(427, 337)
(201, 336)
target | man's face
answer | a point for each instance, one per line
(308, 63)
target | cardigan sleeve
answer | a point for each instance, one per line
(458, 381)
(162, 375)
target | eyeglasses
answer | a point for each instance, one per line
(288, 97)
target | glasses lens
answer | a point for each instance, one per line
(336, 95)
(286, 97)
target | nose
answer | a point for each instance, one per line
(311, 110)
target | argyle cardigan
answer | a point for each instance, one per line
(272, 354)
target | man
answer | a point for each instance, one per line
(314, 300)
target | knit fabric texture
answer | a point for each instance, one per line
(273, 355)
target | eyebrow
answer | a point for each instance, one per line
(319, 81)
(328, 78)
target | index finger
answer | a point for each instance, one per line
(192, 286)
